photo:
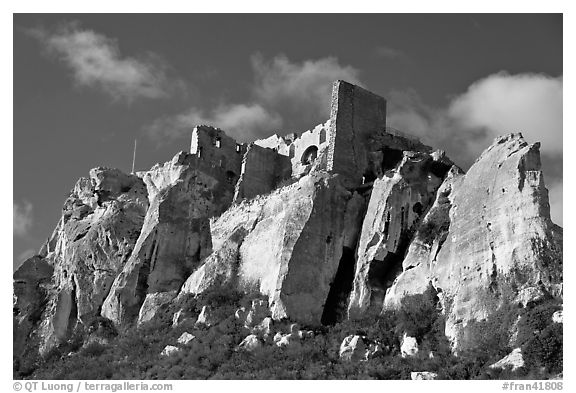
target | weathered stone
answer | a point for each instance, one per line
(250, 343)
(263, 329)
(153, 303)
(169, 350)
(352, 348)
(100, 223)
(175, 234)
(423, 375)
(495, 234)
(409, 346)
(397, 203)
(185, 338)
(205, 317)
(558, 317)
(513, 360)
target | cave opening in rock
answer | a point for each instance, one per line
(382, 273)
(73, 316)
(336, 302)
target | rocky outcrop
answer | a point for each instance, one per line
(408, 346)
(513, 360)
(558, 317)
(100, 223)
(174, 239)
(286, 245)
(488, 238)
(250, 343)
(352, 348)
(423, 375)
(397, 202)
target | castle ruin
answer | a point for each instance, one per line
(354, 143)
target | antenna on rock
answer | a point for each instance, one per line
(134, 157)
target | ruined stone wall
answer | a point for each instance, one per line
(297, 147)
(217, 150)
(355, 114)
(262, 170)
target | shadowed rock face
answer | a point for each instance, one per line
(497, 242)
(286, 245)
(175, 236)
(397, 202)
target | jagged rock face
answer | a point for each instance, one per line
(100, 223)
(286, 245)
(397, 202)
(175, 236)
(496, 239)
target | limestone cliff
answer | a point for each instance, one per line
(488, 238)
(341, 223)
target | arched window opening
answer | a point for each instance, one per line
(218, 142)
(309, 155)
(322, 135)
(292, 151)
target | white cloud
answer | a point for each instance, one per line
(242, 122)
(284, 94)
(388, 52)
(495, 105)
(22, 215)
(503, 103)
(96, 61)
(299, 89)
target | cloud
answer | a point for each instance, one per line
(96, 62)
(388, 52)
(295, 96)
(495, 105)
(242, 122)
(300, 90)
(22, 215)
(492, 106)
(503, 103)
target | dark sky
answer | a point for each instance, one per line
(85, 86)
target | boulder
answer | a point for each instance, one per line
(185, 338)
(352, 348)
(205, 318)
(153, 304)
(409, 346)
(250, 343)
(513, 360)
(423, 375)
(169, 350)
(558, 317)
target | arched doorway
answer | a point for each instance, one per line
(309, 155)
